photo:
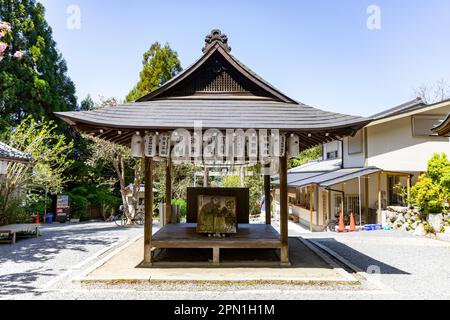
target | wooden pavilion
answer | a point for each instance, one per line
(223, 94)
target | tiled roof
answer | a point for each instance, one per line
(8, 153)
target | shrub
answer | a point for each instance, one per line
(428, 196)
(232, 182)
(183, 207)
(429, 229)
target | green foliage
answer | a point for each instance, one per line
(160, 64)
(37, 84)
(428, 196)
(428, 228)
(432, 192)
(232, 182)
(82, 199)
(50, 152)
(306, 156)
(183, 207)
(87, 104)
(34, 203)
(14, 213)
(256, 185)
(439, 168)
(79, 203)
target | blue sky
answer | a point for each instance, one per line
(318, 52)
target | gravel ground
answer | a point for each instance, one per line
(413, 267)
(410, 268)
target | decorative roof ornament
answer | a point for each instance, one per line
(214, 37)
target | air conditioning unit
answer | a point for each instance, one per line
(164, 145)
(137, 146)
(151, 145)
(293, 146)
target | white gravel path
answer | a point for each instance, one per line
(411, 268)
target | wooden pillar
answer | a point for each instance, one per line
(366, 198)
(268, 197)
(311, 208)
(168, 195)
(148, 226)
(379, 198)
(284, 211)
(206, 177)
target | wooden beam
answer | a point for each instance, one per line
(284, 212)
(268, 197)
(168, 195)
(206, 177)
(148, 226)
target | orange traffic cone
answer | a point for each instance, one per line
(352, 223)
(37, 219)
(341, 222)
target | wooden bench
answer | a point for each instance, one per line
(11, 232)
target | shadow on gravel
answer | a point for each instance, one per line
(359, 259)
(21, 283)
(52, 242)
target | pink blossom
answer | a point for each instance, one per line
(3, 47)
(18, 55)
(5, 26)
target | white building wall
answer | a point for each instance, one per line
(355, 160)
(331, 147)
(392, 147)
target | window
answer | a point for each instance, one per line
(351, 204)
(395, 188)
(355, 144)
(422, 125)
(332, 155)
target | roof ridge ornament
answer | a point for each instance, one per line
(216, 36)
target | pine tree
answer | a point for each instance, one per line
(37, 84)
(160, 65)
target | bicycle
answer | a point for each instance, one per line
(121, 219)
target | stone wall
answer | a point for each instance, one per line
(411, 220)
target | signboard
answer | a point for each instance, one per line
(62, 208)
(62, 202)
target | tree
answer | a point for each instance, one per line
(50, 152)
(433, 93)
(87, 104)
(160, 64)
(433, 189)
(119, 159)
(36, 84)
(307, 156)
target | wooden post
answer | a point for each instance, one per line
(284, 212)
(206, 177)
(148, 226)
(311, 209)
(216, 256)
(366, 198)
(168, 195)
(379, 198)
(268, 197)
